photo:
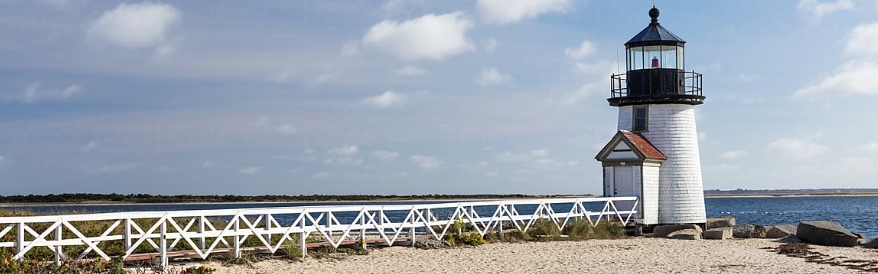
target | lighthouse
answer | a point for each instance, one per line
(654, 153)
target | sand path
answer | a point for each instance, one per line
(641, 255)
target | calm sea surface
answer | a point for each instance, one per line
(857, 213)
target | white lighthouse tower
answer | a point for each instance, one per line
(654, 155)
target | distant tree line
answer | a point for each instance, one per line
(790, 191)
(149, 198)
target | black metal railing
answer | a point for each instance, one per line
(656, 86)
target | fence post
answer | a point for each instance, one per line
(267, 220)
(363, 228)
(163, 238)
(302, 236)
(127, 235)
(201, 221)
(328, 223)
(412, 231)
(237, 237)
(58, 249)
(19, 242)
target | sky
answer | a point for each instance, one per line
(417, 96)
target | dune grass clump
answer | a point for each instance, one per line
(544, 230)
(462, 233)
(547, 230)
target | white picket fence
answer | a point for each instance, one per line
(192, 231)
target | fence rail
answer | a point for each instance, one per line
(194, 232)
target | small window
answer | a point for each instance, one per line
(640, 119)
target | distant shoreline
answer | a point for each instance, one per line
(108, 203)
(780, 195)
(413, 198)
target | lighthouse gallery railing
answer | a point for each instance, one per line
(193, 231)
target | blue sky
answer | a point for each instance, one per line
(416, 96)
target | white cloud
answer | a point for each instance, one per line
(282, 76)
(492, 77)
(115, 168)
(385, 155)
(602, 68)
(575, 97)
(261, 122)
(2, 159)
(540, 153)
(508, 156)
(349, 49)
(138, 26)
(36, 93)
(819, 9)
(426, 162)
(749, 77)
(862, 40)
(386, 100)
(797, 148)
(208, 164)
(853, 77)
(857, 75)
(585, 49)
(344, 160)
(409, 70)
(90, 146)
(870, 147)
(58, 4)
(733, 154)
(490, 44)
(324, 77)
(287, 128)
(510, 11)
(321, 175)
(554, 163)
(249, 170)
(430, 36)
(344, 151)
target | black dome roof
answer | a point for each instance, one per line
(655, 34)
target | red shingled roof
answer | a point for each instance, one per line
(643, 145)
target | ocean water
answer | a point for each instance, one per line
(857, 213)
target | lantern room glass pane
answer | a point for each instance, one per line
(650, 57)
(680, 63)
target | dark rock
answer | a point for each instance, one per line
(725, 221)
(759, 231)
(825, 233)
(860, 235)
(789, 239)
(742, 230)
(665, 230)
(780, 231)
(872, 244)
(686, 234)
(719, 233)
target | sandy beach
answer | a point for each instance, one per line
(644, 255)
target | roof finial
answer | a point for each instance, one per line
(654, 14)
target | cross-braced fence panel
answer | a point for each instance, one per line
(200, 233)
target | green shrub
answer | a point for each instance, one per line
(293, 250)
(610, 230)
(544, 229)
(579, 230)
(432, 243)
(461, 233)
(198, 270)
(472, 239)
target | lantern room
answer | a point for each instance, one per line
(655, 68)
